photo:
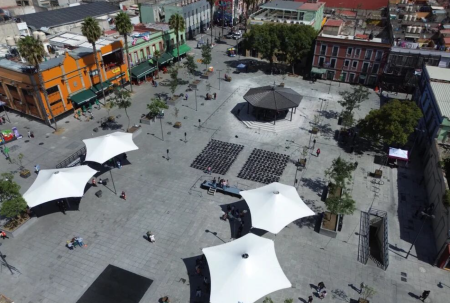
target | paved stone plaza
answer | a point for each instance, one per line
(164, 196)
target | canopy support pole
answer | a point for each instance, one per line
(112, 179)
(291, 113)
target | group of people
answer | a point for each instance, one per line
(220, 182)
(210, 96)
(151, 237)
(199, 265)
(234, 213)
(76, 241)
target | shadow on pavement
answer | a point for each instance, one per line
(196, 278)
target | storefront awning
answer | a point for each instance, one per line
(142, 70)
(319, 71)
(165, 57)
(183, 50)
(83, 97)
(97, 88)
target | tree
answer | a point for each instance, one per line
(33, 51)
(156, 56)
(11, 200)
(347, 119)
(174, 79)
(341, 205)
(190, 65)
(340, 172)
(125, 27)
(206, 56)
(264, 39)
(295, 41)
(352, 100)
(176, 22)
(367, 292)
(248, 3)
(156, 106)
(92, 31)
(392, 123)
(267, 300)
(122, 98)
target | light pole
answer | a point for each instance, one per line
(219, 70)
(185, 140)
(199, 125)
(426, 216)
(160, 121)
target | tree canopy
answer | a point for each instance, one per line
(294, 41)
(392, 123)
(32, 50)
(341, 205)
(352, 100)
(340, 172)
(190, 65)
(206, 55)
(156, 106)
(122, 98)
(176, 22)
(12, 202)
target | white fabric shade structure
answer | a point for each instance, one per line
(103, 148)
(396, 153)
(274, 206)
(53, 184)
(244, 270)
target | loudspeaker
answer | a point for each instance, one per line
(99, 194)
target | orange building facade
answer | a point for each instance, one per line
(71, 81)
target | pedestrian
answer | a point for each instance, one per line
(37, 168)
(318, 152)
(205, 280)
(69, 245)
(3, 235)
(215, 96)
(119, 165)
(310, 299)
(186, 97)
(361, 287)
(123, 195)
(100, 181)
(94, 182)
(320, 286)
(322, 295)
(80, 241)
(424, 295)
(29, 134)
(198, 293)
(61, 206)
(209, 170)
(314, 143)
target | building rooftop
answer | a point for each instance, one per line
(292, 5)
(441, 92)
(357, 4)
(74, 40)
(68, 15)
(331, 22)
(438, 74)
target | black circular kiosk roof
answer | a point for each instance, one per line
(273, 97)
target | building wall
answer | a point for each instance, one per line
(149, 13)
(143, 49)
(7, 3)
(71, 77)
(195, 14)
(346, 65)
(436, 185)
(8, 28)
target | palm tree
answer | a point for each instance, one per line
(211, 6)
(156, 56)
(176, 22)
(125, 27)
(92, 31)
(33, 51)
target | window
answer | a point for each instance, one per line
(349, 51)
(335, 51)
(354, 64)
(142, 54)
(55, 102)
(330, 75)
(372, 80)
(148, 51)
(12, 88)
(365, 67)
(378, 56)
(52, 90)
(323, 49)
(301, 16)
(357, 52)
(94, 72)
(343, 77)
(154, 48)
(375, 68)
(346, 63)
(333, 63)
(368, 54)
(321, 61)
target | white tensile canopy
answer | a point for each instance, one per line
(244, 270)
(396, 153)
(103, 148)
(53, 184)
(274, 206)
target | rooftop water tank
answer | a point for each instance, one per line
(36, 35)
(10, 41)
(17, 38)
(42, 36)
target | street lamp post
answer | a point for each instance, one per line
(162, 132)
(195, 89)
(426, 216)
(219, 70)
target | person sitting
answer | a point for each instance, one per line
(214, 181)
(226, 76)
(69, 245)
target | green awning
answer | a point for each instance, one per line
(183, 50)
(97, 88)
(83, 97)
(319, 71)
(142, 70)
(166, 57)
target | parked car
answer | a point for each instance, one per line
(237, 35)
(229, 35)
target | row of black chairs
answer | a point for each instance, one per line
(264, 166)
(218, 155)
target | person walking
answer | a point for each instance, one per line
(198, 293)
(215, 96)
(322, 295)
(3, 235)
(318, 152)
(361, 287)
(61, 207)
(29, 134)
(119, 165)
(314, 143)
(320, 286)
(123, 195)
(37, 168)
(94, 182)
(80, 241)
(310, 299)
(424, 295)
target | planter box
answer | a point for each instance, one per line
(361, 300)
(25, 173)
(281, 84)
(330, 223)
(314, 130)
(334, 191)
(135, 130)
(146, 120)
(21, 228)
(177, 125)
(378, 173)
(303, 162)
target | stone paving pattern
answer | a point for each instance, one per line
(164, 196)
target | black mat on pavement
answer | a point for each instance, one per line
(116, 285)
